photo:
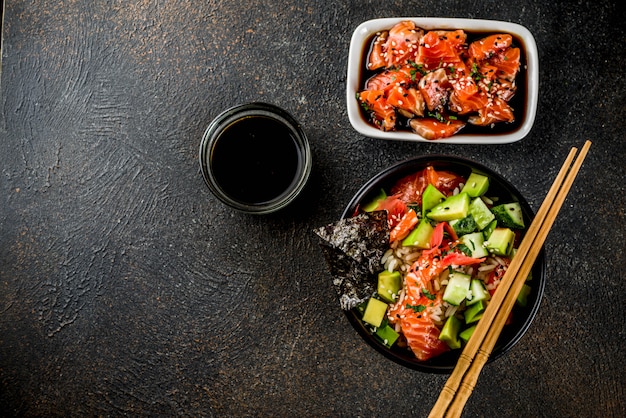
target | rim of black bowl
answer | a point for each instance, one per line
(512, 333)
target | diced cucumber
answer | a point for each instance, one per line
(478, 292)
(463, 226)
(431, 198)
(450, 332)
(387, 335)
(501, 241)
(481, 213)
(420, 236)
(389, 285)
(457, 288)
(476, 185)
(522, 298)
(373, 204)
(509, 215)
(474, 242)
(475, 312)
(489, 229)
(454, 207)
(467, 333)
(375, 312)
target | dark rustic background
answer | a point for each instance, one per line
(126, 288)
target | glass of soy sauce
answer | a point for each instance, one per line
(255, 158)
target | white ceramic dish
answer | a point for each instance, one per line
(359, 45)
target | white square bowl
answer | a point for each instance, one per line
(359, 45)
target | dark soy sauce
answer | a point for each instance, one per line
(517, 102)
(255, 159)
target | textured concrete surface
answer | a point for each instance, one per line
(126, 288)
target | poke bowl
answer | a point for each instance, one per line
(373, 198)
(442, 79)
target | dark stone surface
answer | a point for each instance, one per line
(126, 288)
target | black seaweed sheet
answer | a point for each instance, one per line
(353, 248)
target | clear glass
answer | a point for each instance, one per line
(213, 135)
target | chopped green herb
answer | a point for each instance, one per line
(416, 308)
(428, 295)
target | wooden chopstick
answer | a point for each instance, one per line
(479, 347)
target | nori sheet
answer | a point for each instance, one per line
(353, 248)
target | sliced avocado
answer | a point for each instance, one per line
(420, 236)
(475, 243)
(463, 226)
(450, 332)
(431, 198)
(489, 229)
(454, 207)
(509, 215)
(522, 298)
(375, 312)
(501, 241)
(476, 185)
(457, 288)
(479, 293)
(389, 285)
(481, 213)
(467, 333)
(387, 335)
(475, 312)
(373, 204)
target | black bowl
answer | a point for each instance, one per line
(522, 317)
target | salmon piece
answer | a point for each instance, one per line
(503, 89)
(388, 79)
(375, 103)
(408, 101)
(497, 110)
(409, 189)
(436, 51)
(402, 43)
(466, 97)
(486, 48)
(456, 38)
(433, 129)
(435, 87)
(376, 58)
(507, 63)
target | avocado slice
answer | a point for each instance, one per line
(509, 215)
(481, 213)
(522, 298)
(501, 241)
(431, 198)
(476, 185)
(454, 207)
(450, 332)
(375, 312)
(420, 236)
(467, 333)
(389, 285)
(373, 204)
(387, 335)
(475, 312)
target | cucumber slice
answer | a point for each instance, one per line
(479, 292)
(489, 229)
(389, 285)
(454, 207)
(509, 215)
(481, 213)
(450, 332)
(476, 185)
(420, 236)
(475, 243)
(463, 226)
(457, 288)
(375, 312)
